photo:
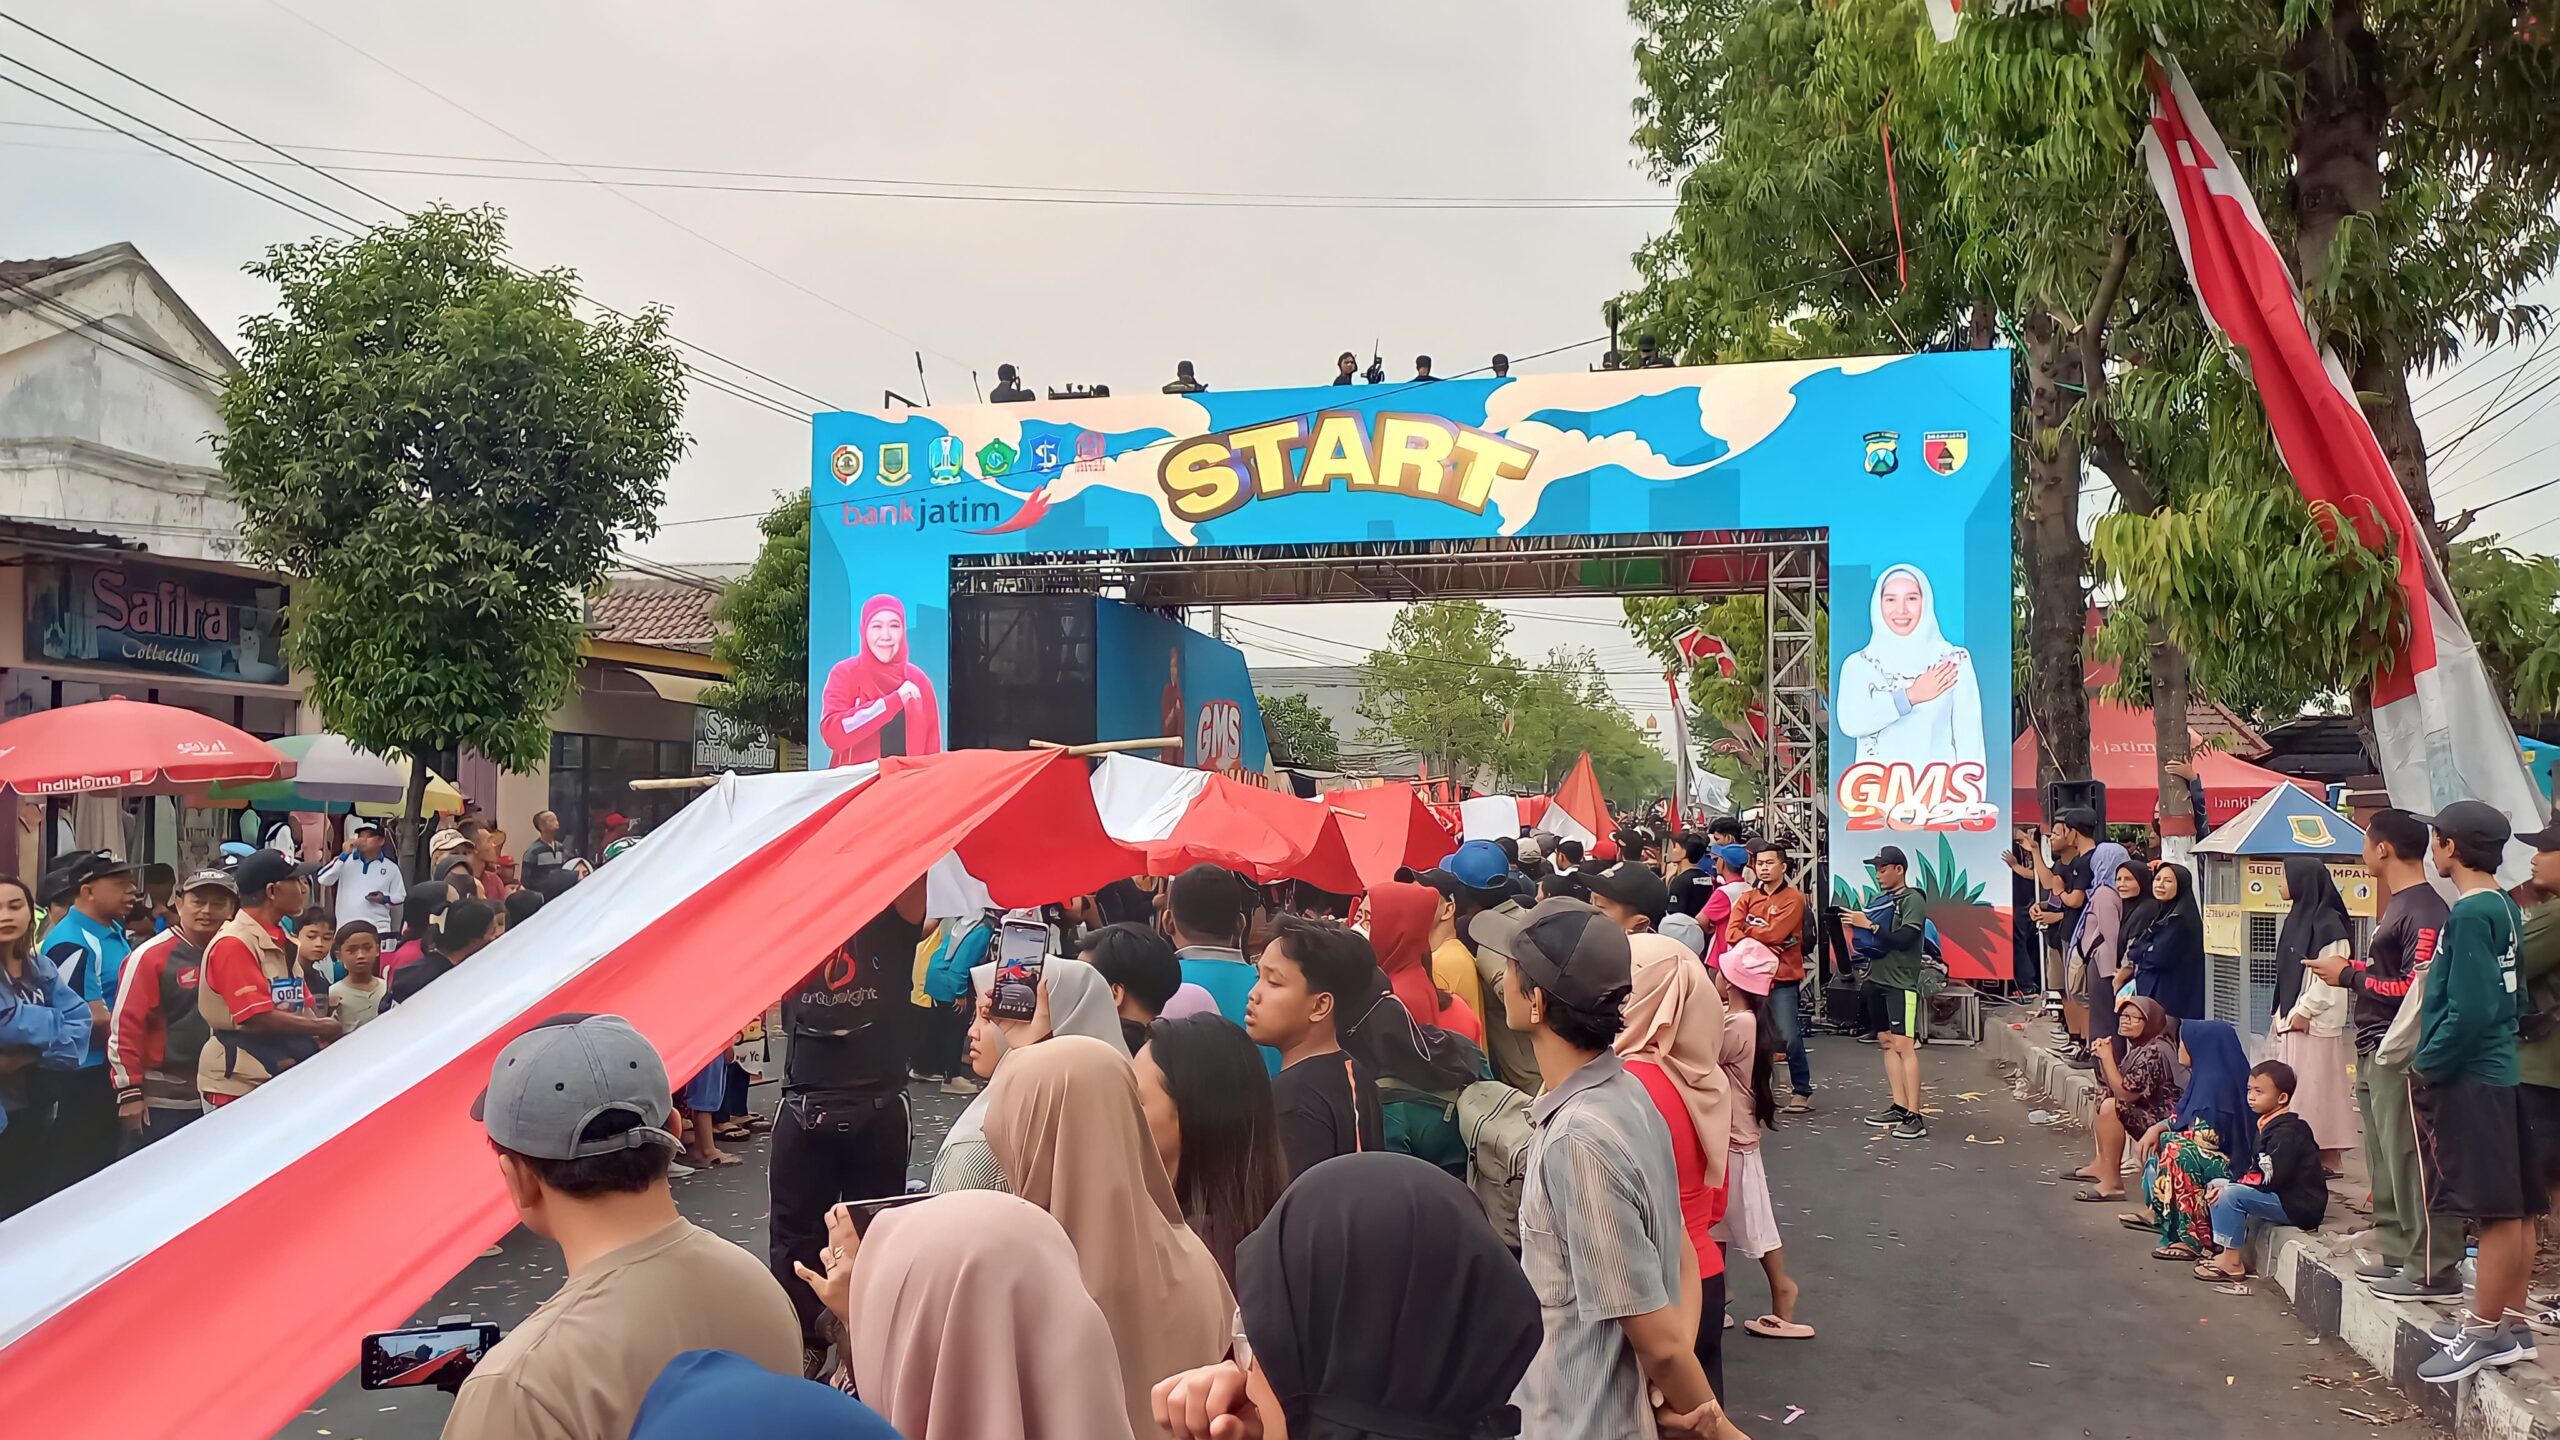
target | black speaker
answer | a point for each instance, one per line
(1022, 669)
(2064, 796)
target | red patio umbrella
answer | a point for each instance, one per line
(1389, 826)
(120, 744)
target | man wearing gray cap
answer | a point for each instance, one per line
(1600, 1230)
(577, 1109)
(158, 1029)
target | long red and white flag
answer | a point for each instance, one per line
(117, 1295)
(2438, 719)
(1181, 817)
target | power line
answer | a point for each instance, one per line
(664, 218)
(91, 327)
(994, 192)
(352, 225)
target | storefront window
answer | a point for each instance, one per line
(591, 778)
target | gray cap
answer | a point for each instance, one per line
(555, 1079)
(1564, 947)
(211, 880)
(2472, 820)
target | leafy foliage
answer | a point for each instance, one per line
(763, 631)
(442, 452)
(1720, 705)
(2512, 604)
(1939, 877)
(1299, 733)
(1442, 685)
(1564, 710)
(2272, 598)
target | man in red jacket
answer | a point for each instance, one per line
(158, 1031)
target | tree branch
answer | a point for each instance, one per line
(2102, 304)
(2112, 457)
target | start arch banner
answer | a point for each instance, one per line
(1903, 462)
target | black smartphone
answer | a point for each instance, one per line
(423, 1356)
(866, 1211)
(1023, 948)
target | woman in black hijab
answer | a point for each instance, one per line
(2168, 953)
(1377, 1305)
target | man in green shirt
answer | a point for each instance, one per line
(2473, 1147)
(1892, 992)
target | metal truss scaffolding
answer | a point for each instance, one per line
(1795, 781)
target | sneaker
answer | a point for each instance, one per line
(2445, 1332)
(817, 1361)
(2377, 1271)
(1797, 1103)
(962, 1085)
(2475, 1350)
(1911, 1128)
(1888, 1117)
(2407, 1290)
(1866, 1039)
(678, 1168)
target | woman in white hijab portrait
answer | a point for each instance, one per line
(1910, 696)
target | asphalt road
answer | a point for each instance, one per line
(1955, 1293)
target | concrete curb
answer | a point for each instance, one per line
(2521, 1402)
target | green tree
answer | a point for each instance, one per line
(1442, 684)
(763, 632)
(442, 453)
(1300, 734)
(2512, 603)
(1562, 709)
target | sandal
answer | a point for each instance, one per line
(734, 1132)
(2213, 1274)
(1770, 1327)
(2080, 1174)
(2137, 1222)
(2088, 1196)
(2180, 1251)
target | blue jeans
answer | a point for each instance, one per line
(2239, 1205)
(1786, 1012)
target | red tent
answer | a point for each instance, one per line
(1389, 826)
(2124, 753)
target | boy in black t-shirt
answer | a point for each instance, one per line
(2280, 1185)
(1327, 1101)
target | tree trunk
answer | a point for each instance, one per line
(2337, 159)
(2056, 557)
(415, 801)
(2169, 735)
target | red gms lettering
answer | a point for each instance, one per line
(1876, 795)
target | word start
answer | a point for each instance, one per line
(1424, 456)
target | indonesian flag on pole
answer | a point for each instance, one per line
(118, 1295)
(1389, 827)
(1580, 812)
(2439, 722)
(1684, 774)
(1698, 648)
(1181, 818)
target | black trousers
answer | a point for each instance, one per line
(827, 1150)
(87, 1135)
(26, 1158)
(1710, 1345)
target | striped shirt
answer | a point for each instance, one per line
(1600, 1239)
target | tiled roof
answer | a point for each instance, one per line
(644, 610)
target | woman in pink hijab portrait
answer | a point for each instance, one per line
(877, 701)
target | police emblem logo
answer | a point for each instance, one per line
(1884, 452)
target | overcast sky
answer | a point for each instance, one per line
(834, 295)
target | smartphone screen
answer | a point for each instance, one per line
(1024, 946)
(866, 1211)
(421, 1356)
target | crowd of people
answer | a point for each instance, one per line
(2432, 1041)
(136, 1000)
(1467, 1154)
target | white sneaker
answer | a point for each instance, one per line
(679, 1168)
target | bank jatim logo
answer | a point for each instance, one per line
(1217, 742)
(1891, 795)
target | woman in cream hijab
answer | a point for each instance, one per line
(1066, 1126)
(1078, 1001)
(968, 1321)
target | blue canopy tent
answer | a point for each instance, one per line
(2240, 875)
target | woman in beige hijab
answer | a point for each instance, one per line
(969, 1322)
(1066, 1126)
(1074, 1000)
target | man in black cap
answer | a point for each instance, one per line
(159, 1030)
(88, 947)
(254, 996)
(1630, 893)
(1892, 993)
(1600, 1229)
(2474, 1149)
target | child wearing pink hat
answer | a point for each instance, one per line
(1745, 972)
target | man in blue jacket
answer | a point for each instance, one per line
(87, 946)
